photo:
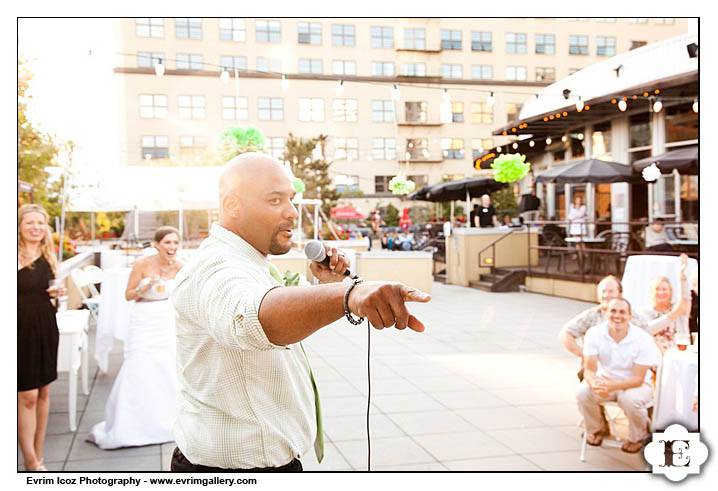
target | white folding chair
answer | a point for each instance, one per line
(84, 280)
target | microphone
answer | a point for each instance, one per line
(314, 250)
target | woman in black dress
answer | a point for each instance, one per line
(37, 334)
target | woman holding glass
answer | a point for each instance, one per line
(141, 407)
(37, 334)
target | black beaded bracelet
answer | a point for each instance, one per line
(347, 313)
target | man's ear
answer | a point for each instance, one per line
(230, 205)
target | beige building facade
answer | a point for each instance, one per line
(414, 97)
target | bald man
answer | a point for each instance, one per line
(247, 401)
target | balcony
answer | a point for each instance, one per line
(420, 123)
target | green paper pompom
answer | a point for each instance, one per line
(399, 185)
(236, 140)
(510, 167)
(298, 185)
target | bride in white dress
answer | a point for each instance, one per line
(141, 407)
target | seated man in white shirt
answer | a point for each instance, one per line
(617, 359)
(247, 397)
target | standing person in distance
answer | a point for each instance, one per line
(37, 334)
(248, 401)
(486, 214)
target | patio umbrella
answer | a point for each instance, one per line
(347, 212)
(684, 160)
(419, 194)
(463, 189)
(592, 170)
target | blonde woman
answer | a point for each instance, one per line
(37, 334)
(141, 407)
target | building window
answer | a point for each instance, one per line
(185, 61)
(601, 141)
(419, 180)
(417, 149)
(481, 113)
(309, 33)
(155, 147)
(515, 73)
(452, 148)
(191, 106)
(235, 108)
(311, 109)
(606, 46)
(479, 145)
(605, 19)
(382, 37)
(193, 146)
(512, 111)
(415, 39)
(415, 111)
(382, 111)
(636, 44)
(545, 73)
(307, 65)
(450, 39)
(545, 44)
(638, 20)
(232, 29)
(382, 68)
(343, 35)
(665, 20)
(415, 69)
(150, 27)
(515, 42)
(268, 31)
(578, 45)
(149, 60)
(346, 148)
(681, 123)
(383, 149)
(275, 146)
(480, 41)
(639, 132)
(153, 106)
(345, 110)
(231, 63)
(482, 72)
(381, 183)
(457, 112)
(273, 65)
(344, 67)
(188, 28)
(270, 108)
(450, 70)
(344, 183)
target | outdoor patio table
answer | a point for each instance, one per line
(114, 315)
(592, 242)
(72, 354)
(677, 389)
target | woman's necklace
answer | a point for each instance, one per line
(164, 269)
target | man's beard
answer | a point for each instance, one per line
(275, 248)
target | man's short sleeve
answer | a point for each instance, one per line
(647, 353)
(577, 326)
(590, 342)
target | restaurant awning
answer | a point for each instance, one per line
(684, 160)
(347, 212)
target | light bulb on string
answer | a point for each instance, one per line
(490, 100)
(224, 76)
(340, 88)
(564, 138)
(395, 94)
(580, 136)
(531, 144)
(548, 141)
(657, 106)
(285, 82)
(159, 68)
(622, 106)
(579, 104)
(515, 146)
(307, 160)
(695, 106)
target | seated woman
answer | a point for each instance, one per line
(664, 327)
(141, 407)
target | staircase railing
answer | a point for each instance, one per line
(490, 261)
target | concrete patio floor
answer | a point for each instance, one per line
(485, 388)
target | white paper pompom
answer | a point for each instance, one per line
(651, 173)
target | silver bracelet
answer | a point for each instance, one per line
(347, 313)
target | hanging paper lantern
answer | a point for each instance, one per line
(510, 167)
(651, 173)
(236, 140)
(399, 185)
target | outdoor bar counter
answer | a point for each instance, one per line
(464, 244)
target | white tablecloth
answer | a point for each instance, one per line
(72, 354)
(114, 314)
(641, 270)
(677, 389)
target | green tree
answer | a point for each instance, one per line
(505, 202)
(446, 210)
(313, 172)
(36, 150)
(391, 216)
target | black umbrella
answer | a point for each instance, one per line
(419, 194)
(457, 190)
(685, 160)
(592, 170)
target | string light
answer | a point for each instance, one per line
(224, 77)
(498, 149)
(579, 104)
(531, 144)
(340, 88)
(657, 106)
(580, 136)
(548, 141)
(622, 106)
(695, 106)
(515, 146)
(285, 82)
(490, 99)
(159, 68)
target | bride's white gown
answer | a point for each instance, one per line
(141, 406)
